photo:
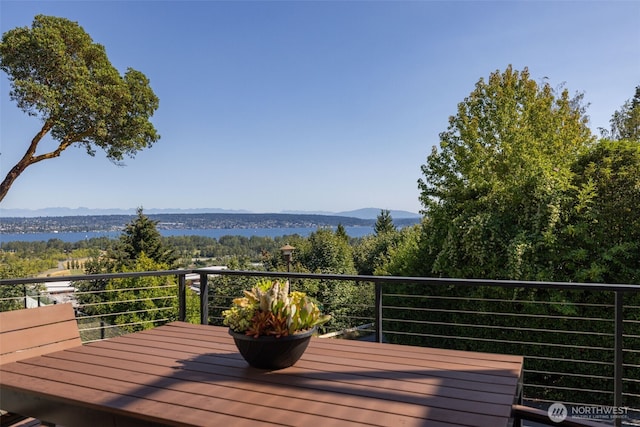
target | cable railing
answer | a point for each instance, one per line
(580, 341)
(106, 305)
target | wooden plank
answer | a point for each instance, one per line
(32, 332)
(37, 351)
(424, 358)
(32, 317)
(440, 352)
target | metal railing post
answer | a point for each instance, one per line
(182, 297)
(204, 298)
(378, 309)
(618, 352)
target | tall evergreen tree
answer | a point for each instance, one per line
(384, 223)
(342, 233)
(141, 236)
(138, 302)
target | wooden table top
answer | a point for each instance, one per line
(192, 375)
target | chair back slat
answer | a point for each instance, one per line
(37, 331)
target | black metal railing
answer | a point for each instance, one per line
(106, 305)
(578, 339)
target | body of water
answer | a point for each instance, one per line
(214, 232)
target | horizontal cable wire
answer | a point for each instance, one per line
(511, 328)
(490, 313)
(440, 297)
(540, 344)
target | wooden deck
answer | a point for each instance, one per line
(192, 375)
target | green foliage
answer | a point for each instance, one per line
(326, 252)
(519, 189)
(625, 123)
(384, 223)
(192, 314)
(209, 250)
(601, 241)
(133, 303)
(494, 192)
(57, 73)
(141, 236)
(11, 297)
(223, 289)
(373, 253)
(404, 258)
(341, 232)
(25, 260)
(348, 303)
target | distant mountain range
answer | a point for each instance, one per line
(365, 213)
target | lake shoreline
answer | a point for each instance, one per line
(354, 231)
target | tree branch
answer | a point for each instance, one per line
(30, 158)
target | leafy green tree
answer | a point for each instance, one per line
(142, 302)
(326, 252)
(13, 266)
(519, 189)
(403, 258)
(60, 75)
(493, 193)
(134, 301)
(625, 123)
(224, 289)
(372, 253)
(601, 242)
(384, 223)
(349, 303)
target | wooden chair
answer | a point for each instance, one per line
(34, 332)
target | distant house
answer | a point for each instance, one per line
(193, 279)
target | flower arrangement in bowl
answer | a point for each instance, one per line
(272, 327)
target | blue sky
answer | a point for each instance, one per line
(271, 106)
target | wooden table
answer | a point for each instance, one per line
(192, 375)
